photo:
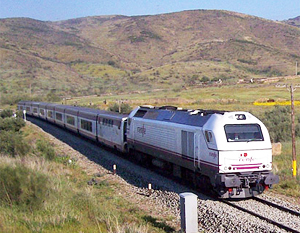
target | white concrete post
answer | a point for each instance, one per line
(188, 212)
(24, 113)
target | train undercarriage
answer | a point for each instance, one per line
(243, 185)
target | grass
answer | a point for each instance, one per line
(68, 203)
(283, 167)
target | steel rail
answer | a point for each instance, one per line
(288, 210)
(280, 225)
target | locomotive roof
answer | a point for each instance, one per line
(172, 114)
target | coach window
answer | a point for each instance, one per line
(108, 122)
(35, 110)
(70, 120)
(87, 125)
(27, 109)
(50, 114)
(58, 116)
(42, 112)
(119, 124)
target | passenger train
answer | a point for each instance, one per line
(230, 151)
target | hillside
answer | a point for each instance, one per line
(103, 54)
(294, 21)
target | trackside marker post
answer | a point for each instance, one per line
(24, 115)
(114, 169)
(188, 212)
(150, 189)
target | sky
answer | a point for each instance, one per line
(55, 10)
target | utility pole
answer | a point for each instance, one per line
(296, 68)
(291, 89)
(293, 132)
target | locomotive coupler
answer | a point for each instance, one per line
(247, 183)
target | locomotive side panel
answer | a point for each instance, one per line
(162, 141)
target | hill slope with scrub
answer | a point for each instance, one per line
(103, 54)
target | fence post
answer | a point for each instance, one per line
(189, 212)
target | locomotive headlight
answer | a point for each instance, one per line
(240, 116)
(225, 168)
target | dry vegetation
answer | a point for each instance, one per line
(46, 190)
(117, 54)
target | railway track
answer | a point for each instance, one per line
(280, 216)
(285, 209)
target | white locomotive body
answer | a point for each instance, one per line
(231, 149)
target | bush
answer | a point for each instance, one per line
(11, 124)
(6, 113)
(278, 122)
(205, 79)
(45, 149)
(23, 187)
(125, 108)
(12, 143)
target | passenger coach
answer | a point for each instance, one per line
(108, 128)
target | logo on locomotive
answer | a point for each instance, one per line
(212, 154)
(141, 130)
(244, 158)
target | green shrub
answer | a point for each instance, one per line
(23, 187)
(205, 79)
(11, 124)
(45, 149)
(12, 143)
(125, 108)
(278, 122)
(6, 113)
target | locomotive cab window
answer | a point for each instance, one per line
(243, 133)
(208, 136)
(140, 113)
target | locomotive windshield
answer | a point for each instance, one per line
(243, 132)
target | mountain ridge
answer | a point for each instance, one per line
(167, 50)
